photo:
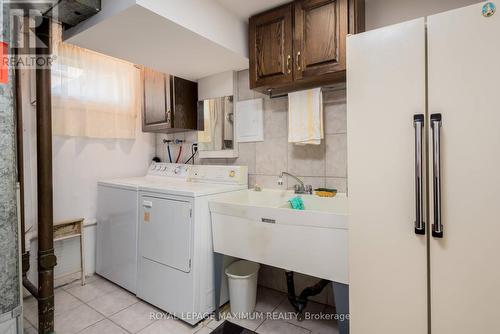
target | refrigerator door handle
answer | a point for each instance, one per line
(418, 124)
(437, 226)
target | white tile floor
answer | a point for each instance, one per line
(102, 307)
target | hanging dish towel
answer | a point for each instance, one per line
(305, 117)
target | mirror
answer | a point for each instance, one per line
(218, 134)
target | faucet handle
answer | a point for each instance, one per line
(299, 189)
(280, 180)
(303, 189)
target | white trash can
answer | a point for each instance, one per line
(242, 277)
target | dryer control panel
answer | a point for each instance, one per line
(179, 171)
(237, 175)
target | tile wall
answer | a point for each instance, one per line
(322, 165)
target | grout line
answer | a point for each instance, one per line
(127, 331)
(276, 307)
(95, 323)
(105, 293)
(112, 314)
(29, 322)
(344, 132)
(306, 329)
(324, 155)
(140, 329)
(276, 175)
(147, 326)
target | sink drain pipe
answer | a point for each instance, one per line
(299, 303)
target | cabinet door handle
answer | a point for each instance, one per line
(288, 68)
(437, 226)
(418, 124)
(299, 68)
(169, 116)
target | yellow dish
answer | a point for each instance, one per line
(326, 194)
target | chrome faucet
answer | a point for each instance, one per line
(300, 188)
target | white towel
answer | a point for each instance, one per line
(305, 117)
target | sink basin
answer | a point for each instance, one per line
(273, 206)
(336, 205)
(260, 226)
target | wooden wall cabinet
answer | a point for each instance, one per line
(271, 47)
(170, 103)
(302, 44)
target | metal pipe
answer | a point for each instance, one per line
(292, 297)
(19, 146)
(20, 173)
(280, 178)
(32, 289)
(46, 257)
(299, 303)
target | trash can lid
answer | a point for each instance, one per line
(242, 269)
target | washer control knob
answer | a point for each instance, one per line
(232, 173)
(177, 170)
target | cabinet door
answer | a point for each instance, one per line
(319, 37)
(270, 38)
(387, 259)
(156, 110)
(185, 103)
(463, 88)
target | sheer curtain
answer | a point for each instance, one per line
(93, 95)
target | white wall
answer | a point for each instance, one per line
(78, 163)
(189, 38)
(380, 13)
(206, 18)
(217, 85)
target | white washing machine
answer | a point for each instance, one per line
(117, 227)
(154, 234)
(117, 230)
(175, 256)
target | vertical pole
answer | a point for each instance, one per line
(20, 165)
(46, 257)
(82, 251)
(218, 259)
(341, 297)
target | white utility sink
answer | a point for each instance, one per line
(261, 226)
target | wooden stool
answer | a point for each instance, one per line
(72, 229)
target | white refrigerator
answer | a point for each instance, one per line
(423, 101)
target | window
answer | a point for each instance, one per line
(94, 95)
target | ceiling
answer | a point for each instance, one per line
(246, 8)
(142, 37)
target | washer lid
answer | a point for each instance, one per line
(123, 183)
(188, 189)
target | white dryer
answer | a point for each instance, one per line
(175, 256)
(117, 227)
(154, 234)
